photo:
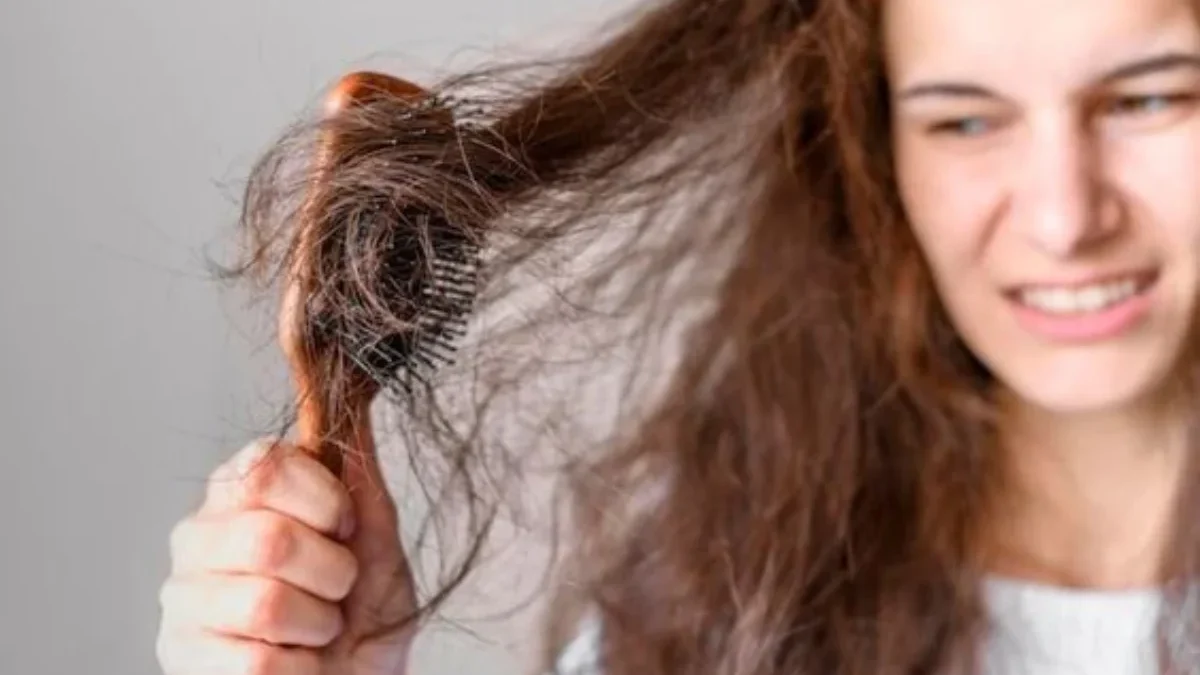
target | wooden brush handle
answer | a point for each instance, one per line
(315, 428)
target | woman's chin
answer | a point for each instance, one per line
(1083, 385)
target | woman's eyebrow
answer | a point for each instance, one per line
(1150, 65)
(947, 89)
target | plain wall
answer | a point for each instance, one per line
(126, 374)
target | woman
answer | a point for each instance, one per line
(938, 419)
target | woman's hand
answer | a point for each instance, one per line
(287, 570)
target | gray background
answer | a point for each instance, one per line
(125, 375)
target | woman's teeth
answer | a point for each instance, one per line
(1078, 300)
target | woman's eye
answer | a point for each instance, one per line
(1146, 104)
(961, 126)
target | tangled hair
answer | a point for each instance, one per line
(801, 491)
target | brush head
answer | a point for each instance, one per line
(428, 267)
(381, 280)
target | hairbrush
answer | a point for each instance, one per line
(430, 267)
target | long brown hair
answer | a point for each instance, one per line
(800, 492)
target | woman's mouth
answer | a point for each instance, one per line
(1081, 299)
(1084, 312)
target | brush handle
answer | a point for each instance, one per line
(314, 427)
(364, 86)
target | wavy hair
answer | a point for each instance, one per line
(800, 489)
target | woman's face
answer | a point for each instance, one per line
(1048, 155)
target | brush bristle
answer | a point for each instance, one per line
(432, 288)
(402, 314)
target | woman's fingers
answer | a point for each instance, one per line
(253, 608)
(201, 653)
(264, 544)
(281, 478)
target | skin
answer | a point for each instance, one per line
(1045, 142)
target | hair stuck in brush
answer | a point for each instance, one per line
(816, 462)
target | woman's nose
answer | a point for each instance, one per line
(1065, 198)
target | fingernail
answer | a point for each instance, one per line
(346, 528)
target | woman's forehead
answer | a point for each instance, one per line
(1027, 41)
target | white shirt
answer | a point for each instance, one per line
(1036, 630)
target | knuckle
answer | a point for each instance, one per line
(248, 464)
(269, 608)
(259, 479)
(266, 660)
(273, 541)
(236, 464)
(332, 509)
(269, 660)
(224, 484)
(348, 577)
